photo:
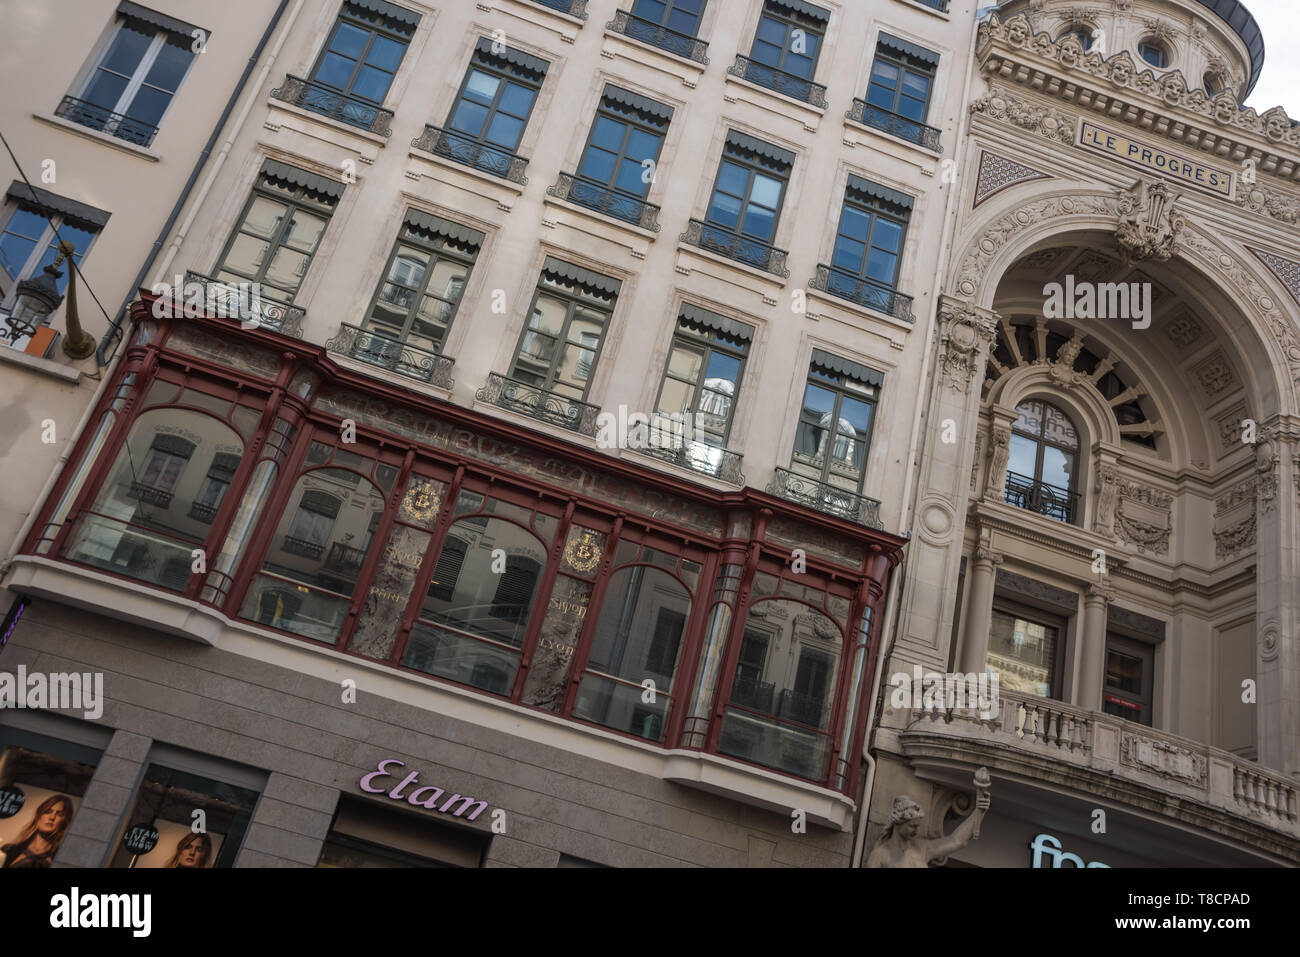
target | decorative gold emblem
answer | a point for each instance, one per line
(421, 502)
(582, 552)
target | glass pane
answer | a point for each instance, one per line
(127, 50)
(1023, 457)
(639, 631)
(608, 134)
(169, 69)
(685, 362)
(380, 618)
(765, 191)
(1031, 418)
(20, 237)
(642, 145)
(505, 131)
(855, 223)
(469, 118)
(287, 268)
(264, 217)
(372, 84)
(386, 54)
(149, 105)
(517, 100)
(1123, 672)
(481, 87)
(1058, 467)
(1023, 653)
(335, 71)
(597, 164)
(548, 315)
(305, 230)
(1058, 428)
(759, 222)
(888, 235)
(725, 210)
(105, 89)
(677, 396)
(566, 612)
(882, 266)
(733, 179)
(349, 40)
(886, 74)
(848, 254)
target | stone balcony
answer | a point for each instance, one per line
(1060, 745)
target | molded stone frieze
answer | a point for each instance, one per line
(1148, 224)
(1256, 199)
(1237, 495)
(997, 173)
(964, 338)
(1235, 539)
(998, 104)
(1143, 518)
(1163, 758)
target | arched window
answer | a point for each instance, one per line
(1154, 53)
(1213, 84)
(1081, 31)
(1042, 469)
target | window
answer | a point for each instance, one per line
(560, 345)
(1024, 650)
(869, 245)
(167, 456)
(421, 289)
(618, 163)
(363, 835)
(515, 588)
(311, 525)
(487, 120)
(899, 92)
(1043, 462)
(835, 422)
(680, 16)
(1214, 84)
(365, 49)
(280, 230)
(1154, 53)
(42, 783)
(703, 375)
(787, 44)
(1130, 666)
(747, 197)
(670, 25)
(132, 85)
(213, 490)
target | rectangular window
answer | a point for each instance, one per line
(280, 230)
(487, 121)
(365, 49)
(670, 25)
(680, 16)
(131, 86)
(704, 371)
(1130, 667)
(835, 422)
(42, 783)
(787, 45)
(900, 90)
(560, 345)
(1024, 650)
(618, 162)
(421, 290)
(745, 206)
(868, 250)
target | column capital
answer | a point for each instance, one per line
(987, 556)
(1099, 593)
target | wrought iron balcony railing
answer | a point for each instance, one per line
(780, 81)
(148, 493)
(106, 121)
(607, 200)
(1041, 497)
(228, 299)
(751, 252)
(751, 693)
(392, 354)
(940, 5)
(827, 498)
(540, 404)
(865, 292)
(345, 559)
(460, 148)
(700, 457)
(900, 126)
(665, 39)
(303, 547)
(335, 104)
(203, 513)
(574, 8)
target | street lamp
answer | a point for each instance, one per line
(38, 298)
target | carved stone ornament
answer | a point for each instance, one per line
(1266, 202)
(901, 843)
(1107, 476)
(1047, 122)
(965, 336)
(997, 173)
(999, 454)
(1162, 758)
(1266, 467)
(1232, 541)
(1148, 225)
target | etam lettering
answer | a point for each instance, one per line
(424, 796)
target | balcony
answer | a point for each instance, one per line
(459, 148)
(345, 560)
(230, 300)
(392, 354)
(106, 121)
(335, 104)
(895, 124)
(303, 547)
(1050, 500)
(703, 458)
(751, 252)
(1055, 742)
(201, 512)
(541, 404)
(814, 94)
(678, 44)
(827, 498)
(148, 493)
(606, 199)
(574, 8)
(863, 292)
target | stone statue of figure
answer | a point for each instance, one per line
(901, 845)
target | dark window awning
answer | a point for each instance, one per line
(79, 214)
(696, 316)
(160, 20)
(650, 110)
(173, 445)
(799, 6)
(390, 10)
(869, 192)
(535, 66)
(436, 226)
(837, 366)
(293, 176)
(911, 50)
(749, 144)
(576, 275)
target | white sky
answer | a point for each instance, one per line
(1279, 81)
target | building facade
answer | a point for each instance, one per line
(1114, 533)
(507, 459)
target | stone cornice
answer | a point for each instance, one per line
(1116, 88)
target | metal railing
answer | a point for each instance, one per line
(95, 117)
(547, 406)
(574, 8)
(460, 148)
(335, 104)
(227, 300)
(737, 247)
(940, 5)
(1041, 497)
(780, 81)
(863, 291)
(606, 199)
(154, 496)
(303, 547)
(392, 354)
(676, 43)
(203, 513)
(700, 457)
(344, 559)
(827, 498)
(900, 126)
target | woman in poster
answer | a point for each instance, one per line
(41, 839)
(193, 850)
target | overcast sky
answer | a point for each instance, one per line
(1279, 81)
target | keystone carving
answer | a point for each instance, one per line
(1148, 225)
(964, 340)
